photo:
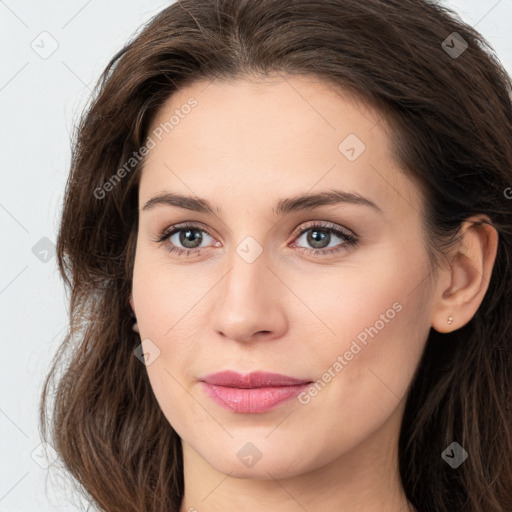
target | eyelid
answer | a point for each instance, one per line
(323, 224)
(350, 238)
(182, 226)
(297, 231)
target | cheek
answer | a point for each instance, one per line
(165, 293)
(364, 367)
(170, 304)
(169, 321)
(374, 324)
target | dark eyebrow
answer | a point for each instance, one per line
(284, 206)
(186, 202)
(310, 201)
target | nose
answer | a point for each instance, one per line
(250, 303)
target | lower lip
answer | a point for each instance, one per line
(252, 400)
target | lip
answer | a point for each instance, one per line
(255, 392)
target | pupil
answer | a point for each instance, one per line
(184, 237)
(315, 243)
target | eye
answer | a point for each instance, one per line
(190, 236)
(320, 236)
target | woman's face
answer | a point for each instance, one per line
(268, 286)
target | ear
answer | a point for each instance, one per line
(462, 286)
(135, 326)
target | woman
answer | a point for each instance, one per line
(287, 236)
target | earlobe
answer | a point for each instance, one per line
(469, 271)
(135, 326)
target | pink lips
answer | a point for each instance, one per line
(255, 392)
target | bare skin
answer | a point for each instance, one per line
(245, 146)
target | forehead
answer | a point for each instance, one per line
(286, 134)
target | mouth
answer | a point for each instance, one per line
(256, 392)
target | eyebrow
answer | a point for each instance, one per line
(283, 207)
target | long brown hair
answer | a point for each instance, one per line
(451, 119)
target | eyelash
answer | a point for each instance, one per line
(350, 240)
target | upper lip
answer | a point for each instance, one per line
(258, 379)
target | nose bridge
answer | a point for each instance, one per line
(247, 299)
(247, 255)
(247, 281)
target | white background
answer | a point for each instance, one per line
(40, 100)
